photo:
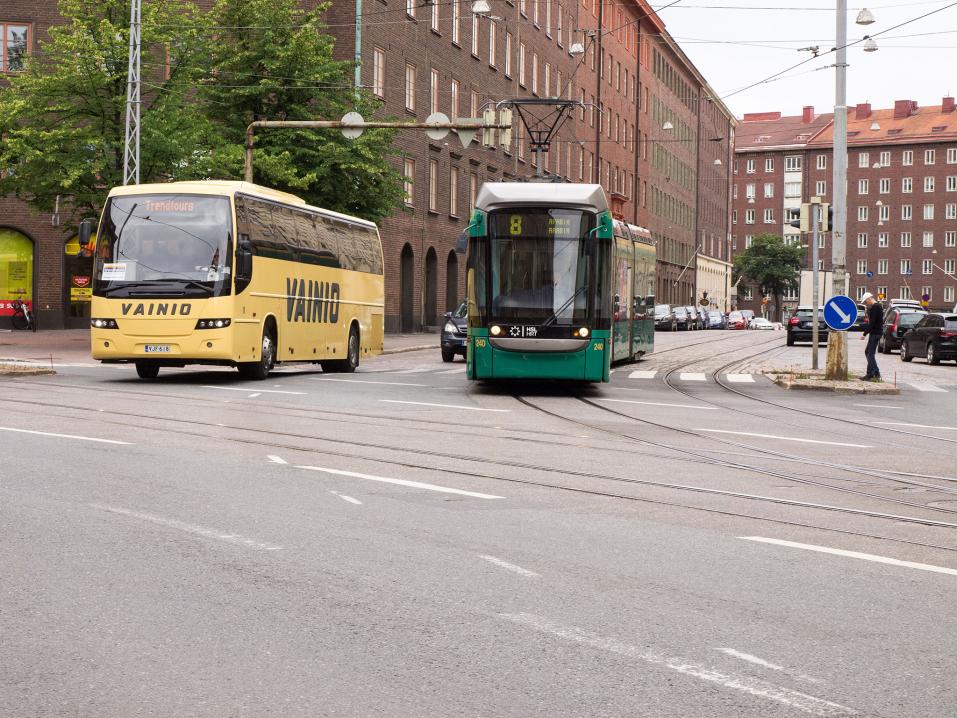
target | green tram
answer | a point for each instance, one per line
(557, 289)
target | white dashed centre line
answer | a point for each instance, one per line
(268, 391)
(916, 426)
(65, 436)
(658, 403)
(784, 438)
(442, 406)
(347, 498)
(402, 482)
(510, 566)
(276, 459)
(366, 381)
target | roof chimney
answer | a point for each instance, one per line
(808, 115)
(948, 105)
(863, 111)
(904, 108)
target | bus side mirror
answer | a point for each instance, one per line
(86, 231)
(244, 261)
(462, 244)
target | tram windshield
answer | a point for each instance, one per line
(542, 265)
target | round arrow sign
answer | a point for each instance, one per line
(351, 133)
(437, 118)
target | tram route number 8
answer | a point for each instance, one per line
(515, 225)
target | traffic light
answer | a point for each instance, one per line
(488, 132)
(505, 134)
(793, 217)
(827, 218)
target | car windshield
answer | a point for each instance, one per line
(462, 311)
(909, 319)
(735, 315)
(680, 312)
(950, 322)
(164, 244)
(661, 310)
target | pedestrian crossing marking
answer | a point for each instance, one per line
(740, 378)
(927, 387)
(642, 375)
(692, 376)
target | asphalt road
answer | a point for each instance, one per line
(688, 540)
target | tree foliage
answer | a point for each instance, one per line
(272, 60)
(63, 118)
(770, 264)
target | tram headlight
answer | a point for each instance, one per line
(495, 330)
(583, 332)
(104, 323)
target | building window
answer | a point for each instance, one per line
(863, 186)
(475, 35)
(951, 185)
(473, 191)
(950, 211)
(907, 212)
(928, 211)
(950, 239)
(521, 64)
(883, 239)
(768, 190)
(748, 294)
(862, 213)
(410, 88)
(862, 240)
(792, 189)
(928, 184)
(904, 291)
(863, 160)
(378, 72)
(434, 91)
(930, 156)
(948, 294)
(820, 188)
(508, 53)
(928, 239)
(769, 216)
(950, 266)
(882, 291)
(435, 16)
(822, 162)
(749, 167)
(907, 158)
(456, 22)
(884, 213)
(16, 46)
(433, 185)
(884, 187)
(792, 163)
(905, 267)
(952, 155)
(454, 191)
(408, 178)
(749, 216)
(750, 190)
(860, 292)
(769, 164)
(734, 216)
(491, 43)
(455, 98)
(885, 159)
(907, 184)
(905, 239)
(410, 6)
(534, 73)
(474, 104)
(882, 266)
(927, 267)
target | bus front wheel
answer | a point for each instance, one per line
(147, 370)
(351, 362)
(259, 370)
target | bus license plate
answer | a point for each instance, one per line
(153, 348)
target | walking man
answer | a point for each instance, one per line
(872, 331)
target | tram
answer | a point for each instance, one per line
(557, 289)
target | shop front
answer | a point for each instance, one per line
(78, 282)
(16, 270)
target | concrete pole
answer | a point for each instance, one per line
(837, 341)
(815, 284)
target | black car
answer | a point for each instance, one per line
(455, 333)
(861, 321)
(665, 318)
(933, 337)
(897, 322)
(683, 319)
(801, 326)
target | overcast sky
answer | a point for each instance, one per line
(735, 43)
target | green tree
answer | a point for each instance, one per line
(62, 119)
(272, 60)
(770, 264)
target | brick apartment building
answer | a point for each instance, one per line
(649, 132)
(901, 199)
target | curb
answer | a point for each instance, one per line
(838, 388)
(402, 350)
(24, 370)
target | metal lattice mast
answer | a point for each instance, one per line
(131, 147)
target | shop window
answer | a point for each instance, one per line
(16, 270)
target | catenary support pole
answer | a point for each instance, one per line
(131, 143)
(815, 284)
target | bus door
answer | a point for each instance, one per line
(622, 306)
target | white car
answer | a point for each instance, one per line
(761, 323)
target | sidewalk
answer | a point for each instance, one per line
(73, 345)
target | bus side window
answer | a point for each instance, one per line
(284, 231)
(328, 242)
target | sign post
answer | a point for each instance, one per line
(815, 208)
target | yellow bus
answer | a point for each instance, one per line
(233, 274)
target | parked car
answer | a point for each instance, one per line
(693, 314)
(761, 323)
(933, 337)
(897, 322)
(703, 321)
(736, 320)
(716, 320)
(861, 321)
(665, 318)
(912, 303)
(748, 316)
(682, 318)
(801, 326)
(455, 333)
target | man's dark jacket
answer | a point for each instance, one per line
(875, 319)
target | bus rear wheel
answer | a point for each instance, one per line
(147, 369)
(259, 370)
(351, 362)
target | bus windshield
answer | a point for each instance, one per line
(164, 244)
(540, 266)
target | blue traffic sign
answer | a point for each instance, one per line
(870, 275)
(840, 313)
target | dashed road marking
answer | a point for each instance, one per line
(442, 406)
(916, 426)
(402, 482)
(927, 387)
(740, 378)
(763, 663)
(509, 566)
(276, 459)
(367, 381)
(236, 388)
(659, 403)
(347, 498)
(65, 436)
(692, 376)
(784, 438)
(642, 374)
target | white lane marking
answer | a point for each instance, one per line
(236, 388)
(658, 403)
(402, 482)
(752, 686)
(509, 566)
(691, 376)
(916, 426)
(347, 498)
(853, 554)
(642, 374)
(879, 406)
(253, 396)
(65, 436)
(364, 381)
(740, 378)
(784, 438)
(276, 459)
(763, 663)
(926, 387)
(190, 528)
(442, 406)
(416, 370)
(456, 370)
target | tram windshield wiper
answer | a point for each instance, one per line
(552, 319)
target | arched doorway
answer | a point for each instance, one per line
(451, 282)
(406, 288)
(431, 286)
(16, 270)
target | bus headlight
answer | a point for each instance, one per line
(104, 323)
(583, 332)
(495, 330)
(212, 323)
